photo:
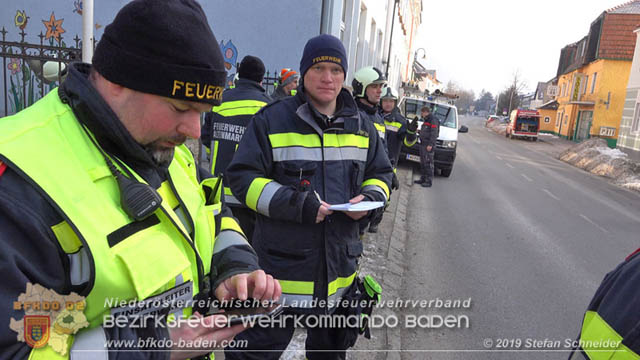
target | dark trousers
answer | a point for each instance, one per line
(426, 163)
(247, 219)
(276, 339)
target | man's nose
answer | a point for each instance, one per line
(190, 125)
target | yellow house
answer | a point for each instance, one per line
(591, 89)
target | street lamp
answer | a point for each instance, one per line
(415, 59)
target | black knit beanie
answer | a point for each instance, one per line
(251, 68)
(163, 47)
(323, 48)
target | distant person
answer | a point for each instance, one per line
(287, 84)
(428, 137)
(225, 124)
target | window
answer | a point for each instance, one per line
(635, 122)
(343, 20)
(558, 117)
(546, 118)
(566, 119)
(586, 84)
(593, 82)
(562, 92)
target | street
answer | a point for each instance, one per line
(524, 236)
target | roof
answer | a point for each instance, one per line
(631, 7)
(617, 40)
(551, 105)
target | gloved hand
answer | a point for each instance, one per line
(413, 125)
(395, 184)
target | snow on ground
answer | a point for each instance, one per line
(551, 136)
(595, 156)
(497, 126)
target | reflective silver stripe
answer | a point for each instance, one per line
(345, 153)
(315, 154)
(183, 219)
(230, 199)
(375, 188)
(179, 280)
(392, 128)
(335, 298)
(297, 153)
(297, 301)
(80, 267)
(265, 197)
(228, 238)
(90, 344)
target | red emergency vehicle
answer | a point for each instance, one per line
(523, 124)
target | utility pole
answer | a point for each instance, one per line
(393, 22)
(510, 102)
(87, 30)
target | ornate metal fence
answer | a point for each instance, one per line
(32, 70)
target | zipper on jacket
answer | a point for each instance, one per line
(191, 238)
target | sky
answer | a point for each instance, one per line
(481, 44)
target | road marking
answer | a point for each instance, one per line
(473, 139)
(550, 194)
(526, 177)
(509, 165)
(498, 157)
(594, 224)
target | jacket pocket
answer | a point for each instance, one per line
(162, 261)
(299, 174)
(354, 249)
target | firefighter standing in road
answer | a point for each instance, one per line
(428, 137)
(610, 328)
(367, 88)
(298, 156)
(224, 126)
(287, 84)
(398, 130)
(99, 196)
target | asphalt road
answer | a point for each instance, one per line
(527, 238)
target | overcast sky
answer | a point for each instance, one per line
(480, 44)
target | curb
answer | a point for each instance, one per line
(392, 280)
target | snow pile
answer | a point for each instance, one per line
(596, 157)
(498, 127)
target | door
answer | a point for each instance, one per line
(584, 125)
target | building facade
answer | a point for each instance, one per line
(629, 136)
(590, 94)
(274, 31)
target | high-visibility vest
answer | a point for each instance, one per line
(128, 260)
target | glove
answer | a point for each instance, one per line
(395, 184)
(413, 125)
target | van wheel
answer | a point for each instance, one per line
(446, 172)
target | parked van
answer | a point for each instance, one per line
(523, 124)
(447, 114)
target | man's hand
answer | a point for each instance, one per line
(356, 215)
(413, 125)
(256, 285)
(212, 330)
(323, 211)
(429, 147)
(395, 184)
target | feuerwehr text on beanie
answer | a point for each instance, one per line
(163, 47)
(323, 48)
